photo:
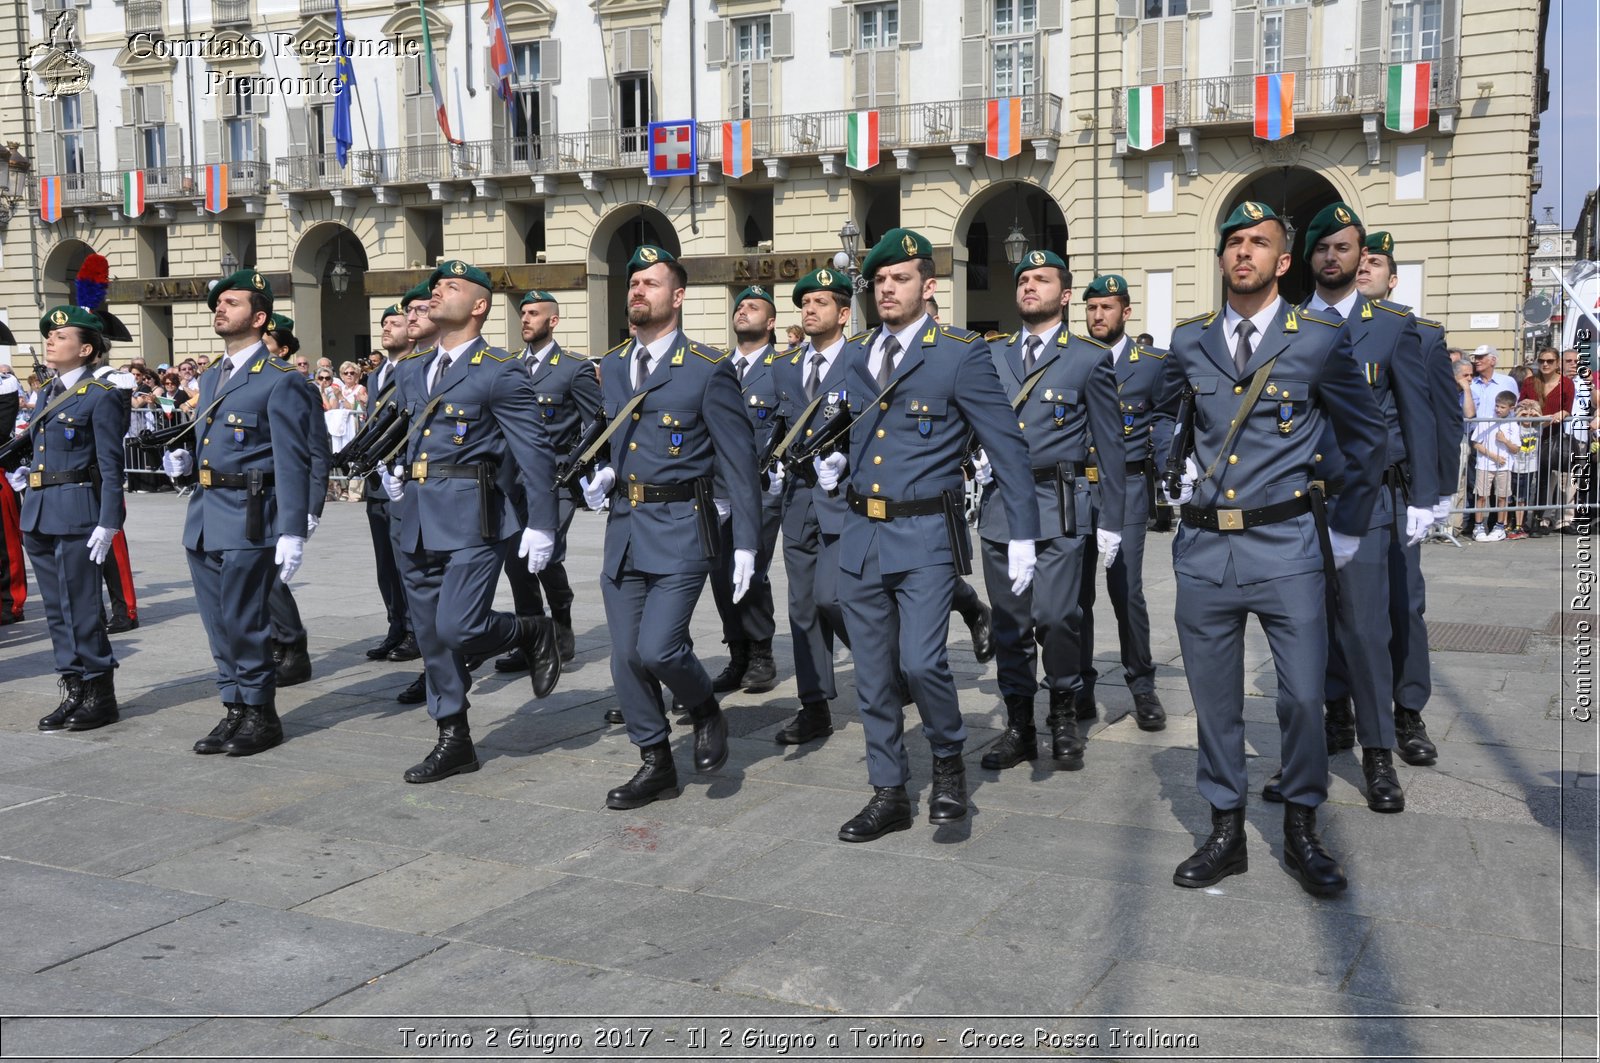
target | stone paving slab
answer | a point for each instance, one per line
(104, 837)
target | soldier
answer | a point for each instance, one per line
(675, 428)
(748, 626)
(917, 391)
(474, 432)
(1264, 378)
(568, 393)
(72, 509)
(1146, 435)
(423, 335)
(118, 569)
(1063, 393)
(812, 391)
(381, 386)
(247, 518)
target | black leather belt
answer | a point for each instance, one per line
(1218, 519)
(638, 492)
(213, 478)
(431, 470)
(1394, 476)
(888, 509)
(1044, 474)
(1133, 468)
(66, 476)
(1329, 488)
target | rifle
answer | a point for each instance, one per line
(569, 468)
(825, 440)
(17, 452)
(374, 428)
(381, 448)
(1182, 444)
(167, 438)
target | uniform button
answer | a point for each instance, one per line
(631, 502)
(633, 446)
(877, 459)
(41, 446)
(205, 442)
(206, 461)
(427, 431)
(1297, 494)
(631, 476)
(1091, 450)
(1021, 425)
(808, 432)
(1233, 459)
(883, 405)
(635, 417)
(1238, 389)
(1229, 493)
(1316, 457)
(422, 457)
(210, 419)
(874, 488)
(880, 433)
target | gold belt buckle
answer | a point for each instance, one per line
(1230, 520)
(419, 470)
(1321, 487)
(36, 479)
(635, 493)
(1092, 473)
(877, 509)
(205, 477)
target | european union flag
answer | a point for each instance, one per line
(343, 136)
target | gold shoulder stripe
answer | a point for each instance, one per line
(496, 353)
(617, 348)
(1430, 322)
(1206, 317)
(1307, 315)
(796, 359)
(1393, 308)
(1152, 352)
(1091, 339)
(710, 354)
(859, 336)
(963, 335)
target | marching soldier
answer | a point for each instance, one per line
(382, 387)
(1146, 436)
(1264, 378)
(474, 432)
(917, 391)
(1064, 395)
(675, 429)
(72, 509)
(423, 335)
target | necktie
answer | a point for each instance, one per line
(53, 390)
(438, 375)
(641, 367)
(1241, 346)
(1333, 314)
(814, 376)
(1030, 353)
(891, 347)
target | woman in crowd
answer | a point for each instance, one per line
(344, 402)
(1554, 394)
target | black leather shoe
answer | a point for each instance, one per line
(515, 661)
(384, 648)
(98, 707)
(1220, 855)
(453, 755)
(222, 732)
(1083, 704)
(408, 650)
(536, 637)
(614, 716)
(1339, 725)
(71, 695)
(732, 677)
(1273, 789)
(811, 722)
(889, 810)
(1149, 713)
(761, 674)
(295, 666)
(416, 693)
(947, 802)
(1305, 858)
(1019, 741)
(119, 624)
(1066, 743)
(710, 736)
(566, 642)
(258, 732)
(1411, 738)
(1383, 782)
(982, 629)
(658, 778)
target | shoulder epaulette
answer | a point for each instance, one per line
(1091, 339)
(770, 358)
(1430, 322)
(1007, 338)
(797, 356)
(1203, 318)
(619, 347)
(1393, 308)
(499, 354)
(413, 354)
(710, 354)
(961, 334)
(280, 366)
(1307, 315)
(427, 350)
(1149, 352)
(859, 336)
(102, 384)
(576, 356)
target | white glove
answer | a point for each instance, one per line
(311, 524)
(291, 550)
(982, 472)
(598, 489)
(1418, 521)
(1191, 473)
(1344, 547)
(1020, 564)
(744, 570)
(18, 479)
(724, 508)
(1441, 511)
(393, 486)
(176, 463)
(100, 544)
(830, 470)
(1109, 543)
(537, 546)
(775, 480)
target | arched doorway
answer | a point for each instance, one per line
(61, 265)
(615, 239)
(985, 297)
(1296, 194)
(329, 271)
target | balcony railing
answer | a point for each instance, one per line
(231, 12)
(1332, 90)
(146, 16)
(104, 187)
(316, 7)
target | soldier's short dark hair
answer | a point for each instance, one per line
(680, 276)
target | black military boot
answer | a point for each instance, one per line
(1083, 705)
(408, 650)
(761, 674)
(71, 695)
(121, 622)
(1273, 789)
(981, 627)
(614, 716)
(1383, 782)
(1149, 713)
(1066, 743)
(1220, 855)
(889, 810)
(416, 693)
(710, 735)
(293, 662)
(98, 707)
(812, 721)
(1019, 741)
(656, 779)
(1305, 858)
(381, 650)
(1339, 725)
(1411, 738)
(258, 732)
(223, 732)
(453, 755)
(566, 642)
(732, 677)
(515, 661)
(536, 638)
(947, 802)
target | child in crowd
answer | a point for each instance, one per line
(1494, 441)
(1525, 469)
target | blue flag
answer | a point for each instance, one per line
(343, 136)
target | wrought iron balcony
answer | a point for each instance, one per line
(161, 183)
(146, 16)
(230, 12)
(316, 7)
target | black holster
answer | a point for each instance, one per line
(488, 526)
(1330, 571)
(255, 504)
(706, 518)
(1067, 498)
(955, 528)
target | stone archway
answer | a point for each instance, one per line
(1296, 193)
(982, 292)
(613, 243)
(331, 324)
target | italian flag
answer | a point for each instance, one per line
(132, 193)
(1147, 117)
(862, 140)
(1410, 97)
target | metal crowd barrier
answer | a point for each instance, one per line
(1539, 478)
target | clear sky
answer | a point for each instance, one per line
(1569, 135)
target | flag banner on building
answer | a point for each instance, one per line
(736, 160)
(500, 51)
(343, 134)
(861, 150)
(133, 193)
(50, 199)
(1004, 128)
(1274, 106)
(216, 186)
(433, 77)
(1410, 97)
(1147, 117)
(672, 148)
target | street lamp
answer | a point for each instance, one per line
(1016, 246)
(850, 240)
(339, 277)
(229, 263)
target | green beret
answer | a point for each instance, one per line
(823, 280)
(392, 310)
(1329, 220)
(464, 270)
(69, 315)
(280, 323)
(1035, 259)
(1380, 243)
(1106, 285)
(245, 280)
(755, 291)
(421, 291)
(647, 255)
(897, 245)
(537, 295)
(1244, 216)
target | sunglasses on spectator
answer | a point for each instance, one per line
(349, 372)
(1547, 361)
(302, 364)
(324, 376)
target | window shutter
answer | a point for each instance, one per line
(261, 155)
(599, 103)
(46, 161)
(910, 22)
(128, 150)
(89, 110)
(1149, 53)
(155, 104)
(211, 140)
(1130, 10)
(760, 90)
(619, 51)
(1199, 7)
(174, 160)
(863, 75)
(1449, 19)
(299, 132)
(411, 76)
(1050, 15)
(257, 104)
(547, 111)
(550, 60)
(716, 42)
(1172, 34)
(1372, 34)
(91, 150)
(130, 107)
(885, 89)
(973, 22)
(412, 131)
(1296, 41)
(782, 35)
(47, 116)
(1244, 55)
(499, 113)
(839, 30)
(974, 68)
(229, 105)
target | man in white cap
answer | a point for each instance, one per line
(1485, 385)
